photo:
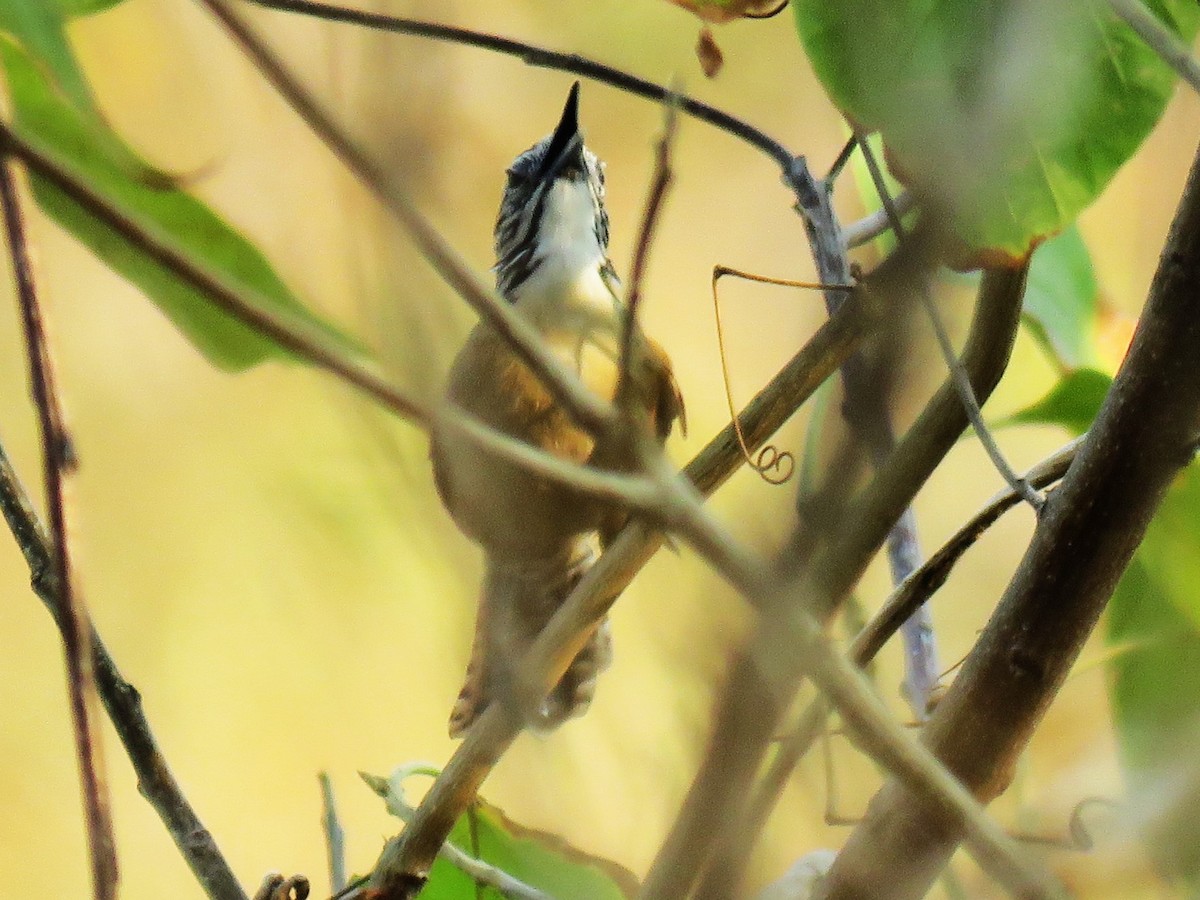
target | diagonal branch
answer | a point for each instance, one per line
(746, 718)
(544, 58)
(641, 254)
(1085, 538)
(296, 335)
(58, 457)
(585, 407)
(908, 596)
(122, 702)
(405, 859)
(1159, 38)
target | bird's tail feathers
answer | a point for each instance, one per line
(517, 601)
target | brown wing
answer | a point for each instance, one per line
(666, 399)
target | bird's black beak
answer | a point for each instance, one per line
(566, 144)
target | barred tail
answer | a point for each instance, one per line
(517, 601)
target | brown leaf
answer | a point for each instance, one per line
(708, 53)
(720, 11)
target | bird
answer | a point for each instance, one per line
(538, 536)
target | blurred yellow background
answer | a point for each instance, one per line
(264, 553)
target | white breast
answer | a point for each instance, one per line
(567, 291)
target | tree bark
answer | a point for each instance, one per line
(1087, 535)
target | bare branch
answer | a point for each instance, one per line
(961, 382)
(793, 632)
(641, 254)
(585, 407)
(1159, 38)
(483, 873)
(1084, 540)
(873, 225)
(58, 457)
(404, 860)
(541, 57)
(635, 491)
(122, 702)
(335, 837)
(908, 596)
(746, 718)
(296, 335)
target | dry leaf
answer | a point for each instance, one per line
(708, 53)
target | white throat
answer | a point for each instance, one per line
(567, 289)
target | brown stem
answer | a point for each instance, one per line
(1084, 540)
(58, 458)
(909, 596)
(405, 862)
(749, 711)
(122, 703)
(655, 198)
(294, 335)
(581, 404)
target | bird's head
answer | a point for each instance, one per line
(552, 222)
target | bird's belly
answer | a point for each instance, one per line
(499, 504)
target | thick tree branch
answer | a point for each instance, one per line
(408, 857)
(1086, 536)
(58, 458)
(749, 713)
(908, 596)
(123, 704)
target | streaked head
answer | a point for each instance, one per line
(553, 206)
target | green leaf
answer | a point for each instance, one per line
(1061, 299)
(542, 860)
(1072, 403)
(86, 7)
(113, 170)
(1155, 690)
(1016, 115)
(38, 25)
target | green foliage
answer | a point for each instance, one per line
(86, 7)
(70, 133)
(1072, 403)
(538, 859)
(38, 26)
(1154, 618)
(1061, 298)
(1016, 114)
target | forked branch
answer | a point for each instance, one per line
(58, 461)
(1085, 538)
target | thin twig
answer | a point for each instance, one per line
(907, 597)
(803, 637)
(483, 873)
(290, 332)
(406, 858)
(874, 224)
(635, 491)
(1159, 38)
(58, 457)
(335, 837)
(122, 702)
(586, 408)
(655, 197)
(1142, 436)
(747, 714)
(961, 382)
(541, 57)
